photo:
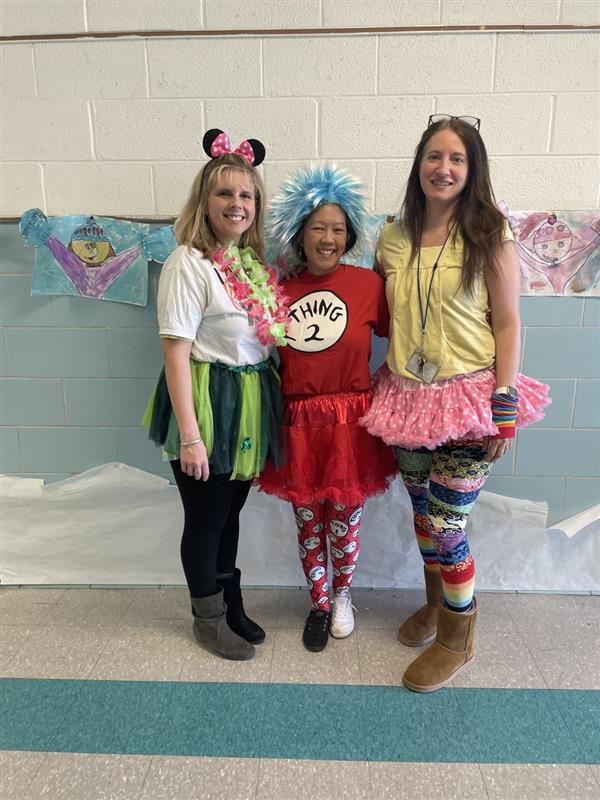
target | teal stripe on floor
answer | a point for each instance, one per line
(356, 723)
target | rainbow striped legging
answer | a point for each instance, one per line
(443, 485)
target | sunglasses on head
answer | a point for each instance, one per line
(473, 121)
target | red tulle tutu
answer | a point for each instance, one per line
(411, 414)
(329, 455)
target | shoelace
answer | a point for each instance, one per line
(345, 607)
(319, 622)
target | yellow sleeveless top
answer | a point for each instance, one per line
(458, 335)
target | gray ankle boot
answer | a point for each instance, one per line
(212, 632)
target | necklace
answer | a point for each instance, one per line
(419, 365)
(423, 314)
(255, 287)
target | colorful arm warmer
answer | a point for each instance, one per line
(504, 415)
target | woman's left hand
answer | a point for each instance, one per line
(495, 448)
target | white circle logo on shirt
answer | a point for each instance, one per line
(318, 321)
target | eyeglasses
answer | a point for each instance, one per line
(473, 121)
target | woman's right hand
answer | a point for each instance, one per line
(193, 458)
(194, 461)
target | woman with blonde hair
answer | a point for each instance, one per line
(216, 409)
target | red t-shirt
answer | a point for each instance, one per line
(329, 338)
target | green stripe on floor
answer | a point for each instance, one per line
(356, 723)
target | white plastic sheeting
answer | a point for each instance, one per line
(117, 525)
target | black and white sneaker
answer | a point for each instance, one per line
(316, 630)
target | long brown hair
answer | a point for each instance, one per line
(192, 227)
(476, 216)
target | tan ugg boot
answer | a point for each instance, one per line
(420, 627)
(452, 650)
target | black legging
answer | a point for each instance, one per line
(211, 531)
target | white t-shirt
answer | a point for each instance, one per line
(194, 304)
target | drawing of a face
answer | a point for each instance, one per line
(90, 244)
(316, 573)
(91, 252)
(552, 241)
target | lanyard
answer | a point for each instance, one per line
(423, 314)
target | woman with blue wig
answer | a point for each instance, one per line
(332, 463)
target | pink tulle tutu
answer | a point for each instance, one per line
(411, 414)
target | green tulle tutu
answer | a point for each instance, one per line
(239, 412)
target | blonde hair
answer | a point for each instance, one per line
(192, 227)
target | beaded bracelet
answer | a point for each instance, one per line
(190, 443)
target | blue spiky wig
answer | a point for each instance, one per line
(305, 192)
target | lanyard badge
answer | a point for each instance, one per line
(419, 365)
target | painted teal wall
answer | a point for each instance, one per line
(76, 374)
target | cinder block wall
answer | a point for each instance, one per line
(113, 126)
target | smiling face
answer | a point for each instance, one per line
(91, 251)
(444, 168)
(231, 206)
(324, 239)
(553, 242)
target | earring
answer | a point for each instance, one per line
(301, 254)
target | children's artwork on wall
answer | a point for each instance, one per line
(95, 257)
(104, 258)
(559, 251)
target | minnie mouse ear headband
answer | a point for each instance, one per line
(216, 142)
(306, 191)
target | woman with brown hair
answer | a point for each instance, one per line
(449, 395)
